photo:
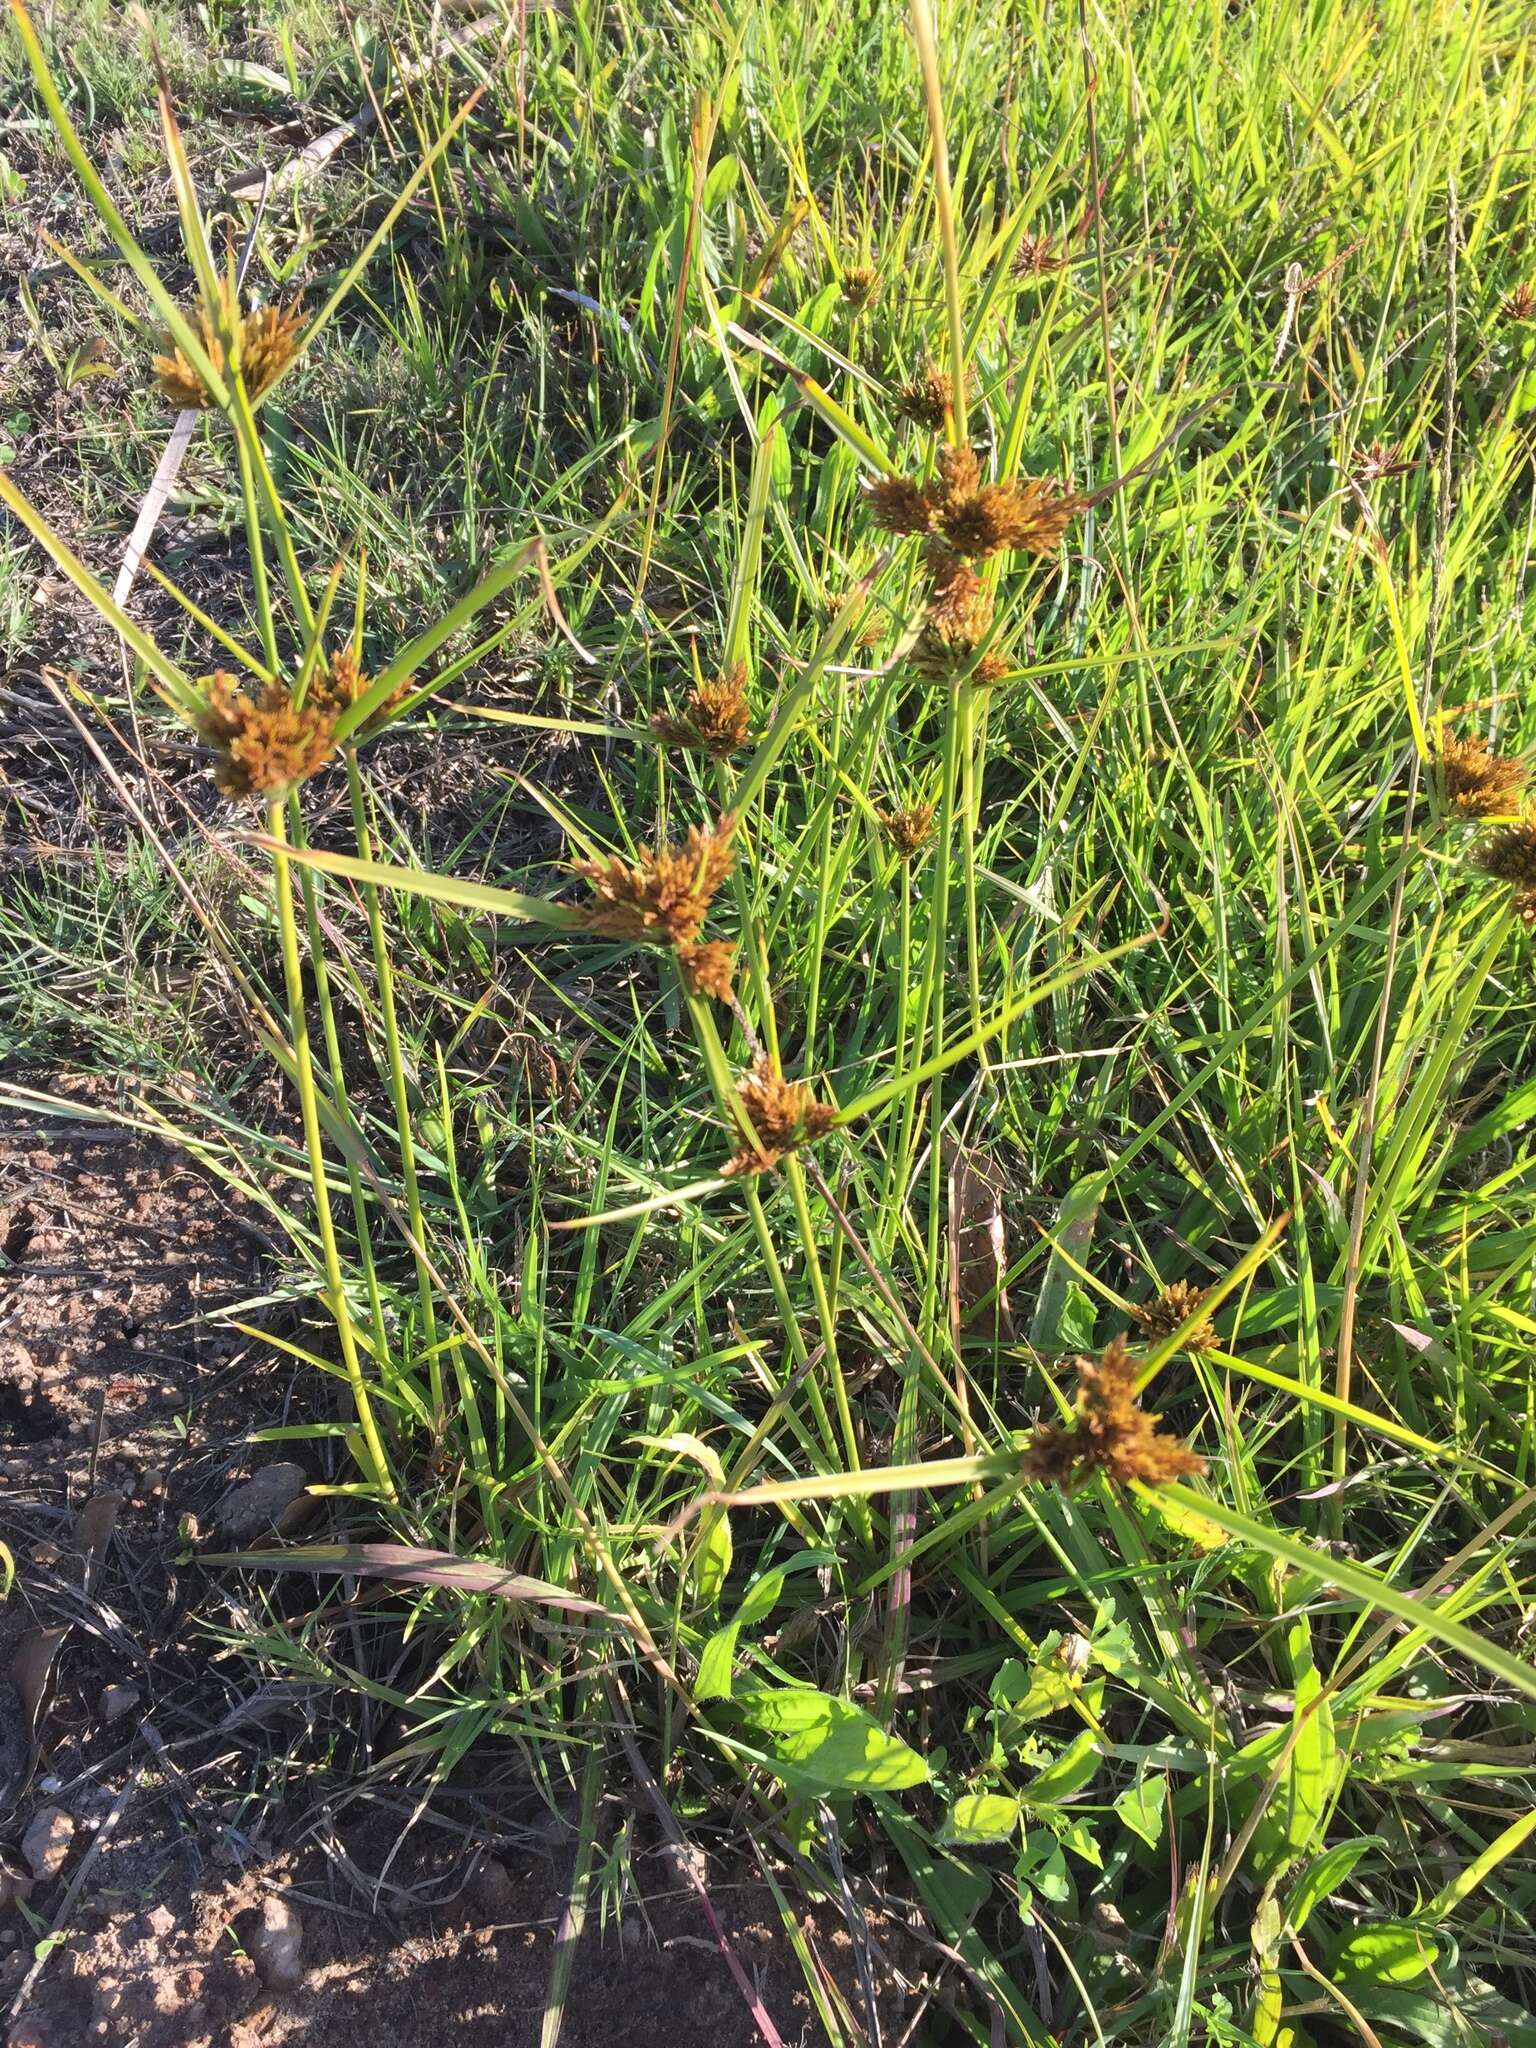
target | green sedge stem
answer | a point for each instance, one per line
(375, 1463)
(398, 1094)
(308, 890)
(928, 61)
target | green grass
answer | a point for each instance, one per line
(1222, 998)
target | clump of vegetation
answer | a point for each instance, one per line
(1087, 897)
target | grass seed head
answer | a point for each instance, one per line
(708, 968)
(859, 281)
(1478, 782)
(715, 719)
(1509, 855)
(1111, 1433)
(783, 1114)
(929, 399)
(265, 342)
(1163, 1315)
(265, 744)
(664, 897)
(1520, 304)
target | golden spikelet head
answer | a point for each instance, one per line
(1111, 1433)
(1478, 782)
(782, 1115)
(1161, 1316)
(265, 744)
(1029, 514)
(264, 344)
(715, 718)
(859, 282)
(958, 619)
(708, 968)
(928, 399)
(909, 829)
(899, 505)
(664, 897)
(340, 682)
(1509, 855)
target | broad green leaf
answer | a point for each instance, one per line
(829, 1745)
(981, 1817)
(1386, 1952)
(714, 1677)
(1318, 1883)
(1142, 1807)
(1075, 1768)
(1295, 1807)
(712, 1567)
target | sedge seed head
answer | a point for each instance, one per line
(899, 505)
(264, 743)
(664, 897)
(909, 829)
(928, 399)
(1111, 1433)
(782, 1115)
(708, 969)
(1478, 782)
(715, 718)
(264, 344)
(1161, 1316)
(1520, 304)
(1029, 514)
(860, 281)
(1509, 855)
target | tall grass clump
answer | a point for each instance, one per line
(977, 1320)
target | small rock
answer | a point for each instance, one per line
(117, 1700)
(45, 1845)
(493, 1895)
(161, 1921)
(277, 1946)
(272, 1500)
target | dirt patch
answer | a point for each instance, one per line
(175, 1965)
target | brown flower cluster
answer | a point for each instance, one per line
(978, 520)
(715, 718)
(1162, 1316)
(337, 687)
(909, 829)
(1111, 1434)
(707, 968)
(663, 899)
(1037, 256)
(958, 619)
(965, 521)
(1509, 855)
(860, 281)
(929, 399)
(264, 346)
(1520, 304)
(782, 1114)
(1478, 782)
(264, 742)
